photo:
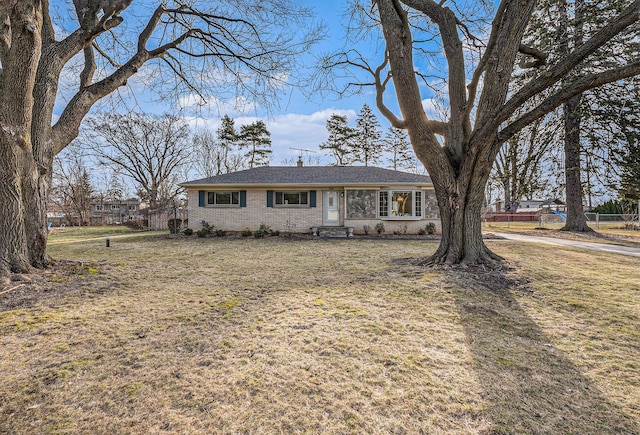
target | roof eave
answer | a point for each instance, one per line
(290, 185)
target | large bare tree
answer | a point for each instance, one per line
(522, 167)
(150, 150)
(202, 48)
(71, 187)
(459, 151)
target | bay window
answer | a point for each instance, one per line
(399, 204)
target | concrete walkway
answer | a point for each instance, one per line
(602, 247)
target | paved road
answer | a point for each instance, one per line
(613, 249)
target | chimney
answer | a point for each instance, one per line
(300, 161)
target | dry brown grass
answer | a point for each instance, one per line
(158, 335)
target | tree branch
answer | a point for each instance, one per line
(576, 87)
(106, 55)
(562, 68)
(86, 76)
(422, 131)
(447, 22)
(558, 71)
(539, 55)
(475, 79)
(66, 129)
(381, 87)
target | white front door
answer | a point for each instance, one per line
(331, 215)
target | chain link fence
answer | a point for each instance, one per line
(625, 221)
(556, 220)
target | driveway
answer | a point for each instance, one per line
(602, 247)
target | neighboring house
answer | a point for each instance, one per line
(534, 205)
(296, 199)
(56, 215)
(108, 212)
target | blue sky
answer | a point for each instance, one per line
(300, 121)
(297, 122)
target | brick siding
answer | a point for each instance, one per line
(285, 219)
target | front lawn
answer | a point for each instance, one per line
(274, 335)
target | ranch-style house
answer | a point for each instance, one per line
(307, 198)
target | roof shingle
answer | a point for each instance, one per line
(312, 175)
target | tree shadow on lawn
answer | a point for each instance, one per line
(529, 384)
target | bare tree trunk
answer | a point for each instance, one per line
(17, 168)
(460, 206)
(37, 191)
(13, 241)
(576, 220)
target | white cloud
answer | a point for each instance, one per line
(293, 130)
(290, 130)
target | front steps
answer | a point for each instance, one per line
(334, 232)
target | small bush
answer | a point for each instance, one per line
(220, 232)
(366, 229)
(246, 233)
(430, 228)
(205, 230)
(422, 231)
(380, 227)
(188, 231)
(265, 228)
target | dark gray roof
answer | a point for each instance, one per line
(313, 175)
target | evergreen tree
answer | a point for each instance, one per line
(367, 146)
(396, 143)
(227, 140)
(613, 115)
(257, 139)
(630, 174)
(340, 140)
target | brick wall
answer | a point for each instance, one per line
(286, 219)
